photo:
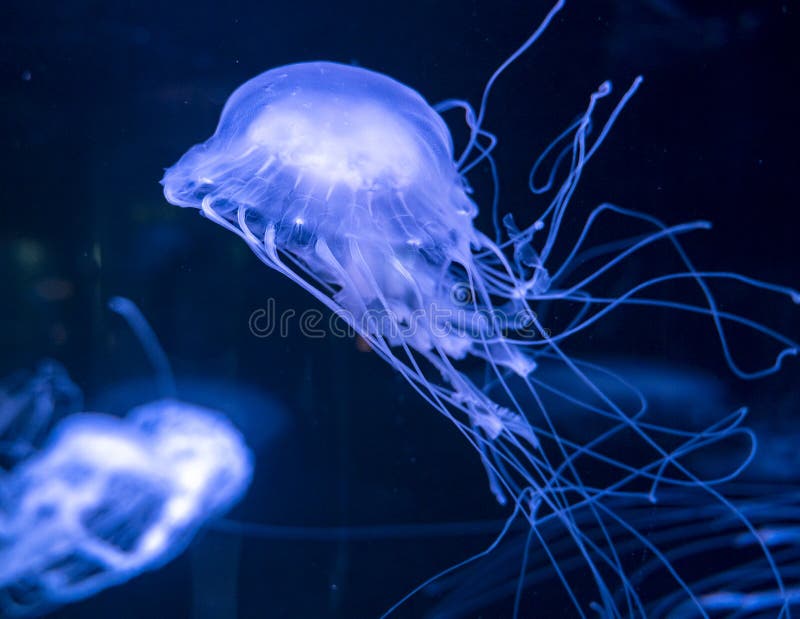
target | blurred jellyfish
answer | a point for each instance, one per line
(346, 181)
(30, 402)
(106, 499)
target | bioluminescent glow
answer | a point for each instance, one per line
(107, 498)
(347, 182)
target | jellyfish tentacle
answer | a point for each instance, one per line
(557, 7)
(128, 310)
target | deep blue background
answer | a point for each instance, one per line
(98, 97)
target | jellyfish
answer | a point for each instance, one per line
(348, 183)
(107, 498)
(30, 402)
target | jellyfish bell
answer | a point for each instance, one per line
(319, 149)
(347, 170)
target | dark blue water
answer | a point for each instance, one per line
(98, 98)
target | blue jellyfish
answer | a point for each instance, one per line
(107, 498)
(30, 402)
(347, 182)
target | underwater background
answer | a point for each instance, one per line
(99, 97)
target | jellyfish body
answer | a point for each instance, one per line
(107, 499)
(346, 181)
(352, 174)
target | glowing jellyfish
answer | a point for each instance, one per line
(346, 181)
(108, 498)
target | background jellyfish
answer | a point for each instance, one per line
(107, 498)
(30, 402)
(346, 182)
